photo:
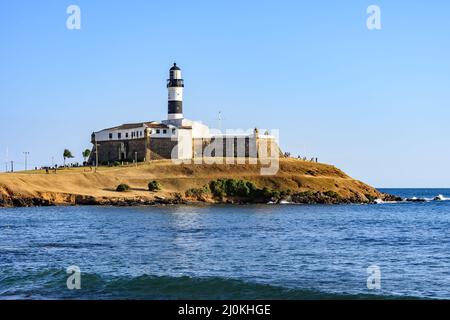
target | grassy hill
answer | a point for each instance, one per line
(297, 181)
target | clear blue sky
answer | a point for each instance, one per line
(374, 103)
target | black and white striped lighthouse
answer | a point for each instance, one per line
(175, 87)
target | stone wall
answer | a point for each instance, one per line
(161, 148)
(252, 148)
(111, 151)
(210, 147)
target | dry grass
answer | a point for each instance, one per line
(294, 174)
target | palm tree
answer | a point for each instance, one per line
(67, 155)
(86, 154)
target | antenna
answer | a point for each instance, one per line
(219, 121)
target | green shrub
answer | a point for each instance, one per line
(285, 193)
(232, 187)
(122, 187)
(116, 163)
(197, 192)
(305, 194)
(331, 194)
(268, 193)
(370, 197)
(154, 186)
(217, 188)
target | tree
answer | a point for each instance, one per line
(67, 155)
(86, 154)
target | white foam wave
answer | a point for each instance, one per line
(441, 198)
(379, 201)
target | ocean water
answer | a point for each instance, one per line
(229, 252)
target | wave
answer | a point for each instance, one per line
(51, 284)
(439, 197)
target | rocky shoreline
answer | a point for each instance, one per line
(10, 201)
(164, 183)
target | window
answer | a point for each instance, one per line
(173, 130)
(164, 131)
(157, 131)
(126, 135)
(110, 135)
(119, 135)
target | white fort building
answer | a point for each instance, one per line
(177, 137)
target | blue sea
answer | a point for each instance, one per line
(229, 251)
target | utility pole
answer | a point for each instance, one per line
(12, 166)
(135, 157)
(6, 158)
(26, 153)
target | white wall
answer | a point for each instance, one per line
(104, 134)
(184, 137)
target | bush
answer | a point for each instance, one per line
(285, 193)
(217, 188)
(370, 197)
(154, 186)
(331, 194)
(268, 193)
(233, 187)
(122, 187)
(197, 192)
(241, 188)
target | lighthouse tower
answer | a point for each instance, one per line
(175, 87)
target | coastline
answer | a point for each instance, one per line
(77, 200)
(297, 182)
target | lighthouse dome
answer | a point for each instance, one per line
(174, 67)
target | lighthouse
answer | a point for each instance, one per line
(175, 85)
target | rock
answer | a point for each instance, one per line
(85, 200)
(416, 200)
(391, 198)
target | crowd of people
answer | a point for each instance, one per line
(313, 159)
(68, 165)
